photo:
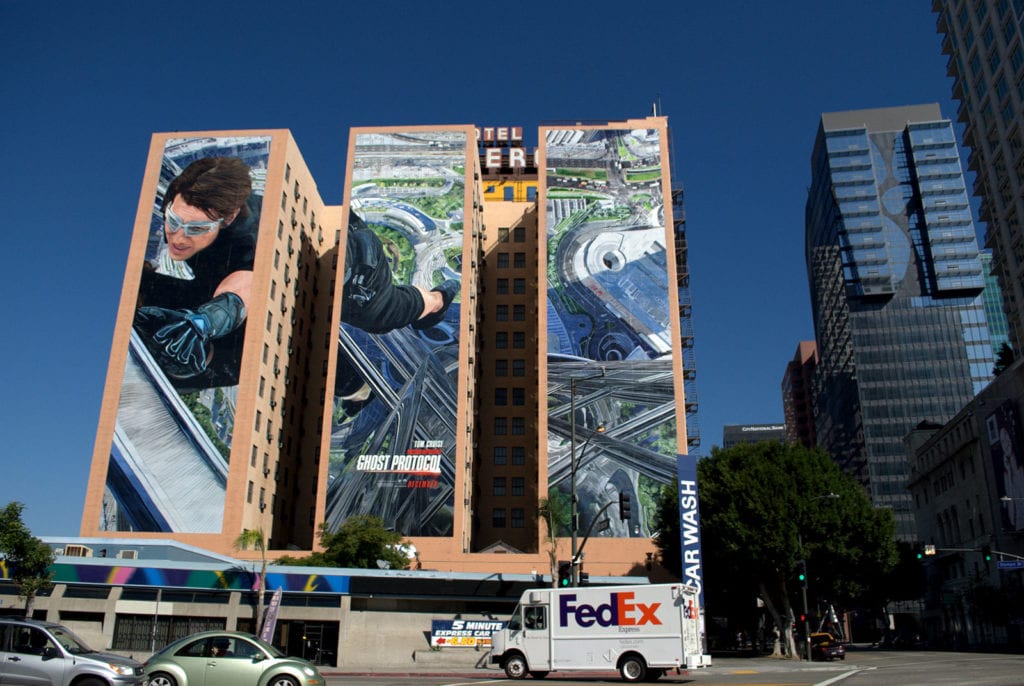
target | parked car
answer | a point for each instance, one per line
(34, 652)
(228, 658)
(824, 646)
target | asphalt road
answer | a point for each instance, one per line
(861, 668)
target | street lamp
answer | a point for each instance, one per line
(803, 571)
(574, 504)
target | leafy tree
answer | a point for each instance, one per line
(255, 539)
(766, 506)
(27, 558)
(358, 543)
(665, 521)
(1003, 359)
(554, 511)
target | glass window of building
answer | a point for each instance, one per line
(498, 518)
(501, 396)
(519, 286)
(518, 367)
(518, 426)
(518, 519)
(500, 426)
(501, 313)
(502, 286)
(518, 339)
(518, 485)
(519, 260)
(500, 455)
(499, 485)
(519, 313)
(518, 455)
(501, 367)
(503, 260)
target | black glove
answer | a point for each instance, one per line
(180, 339)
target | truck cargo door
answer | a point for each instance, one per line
(537, 637)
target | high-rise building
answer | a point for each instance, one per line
(797, 396)
(985, 43)
(478, 329)
(736, 434)
(896, 286)
(998, 326)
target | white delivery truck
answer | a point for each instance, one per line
(641, 631)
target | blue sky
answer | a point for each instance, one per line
(83, 85)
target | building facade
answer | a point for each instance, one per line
(967, 484)
(896, 286)
(985, 44)
(736, 434)
(460, 341)
(797, 398)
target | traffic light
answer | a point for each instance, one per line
(623, 506)
(564, 574)
(801, 572)
(584, 578)
(986, 553)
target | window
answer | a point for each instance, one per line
(248, 493)
(501, 367)
(498, 518)
(518, 426)
(501, 313)
(499, 485)
(252, 457)
(518, 396)
(519, 260)
(518, 339)
(518, 367)
(519, 313)
(501, 396)
(519, 286)
(503, 260)
(502, 286)
(500, 426)
(500, 455)
(501, 339)
(518, 455)
(519, 235)
(518, 485)
(518, 519)
(503, 234)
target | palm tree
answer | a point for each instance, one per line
(254, 538)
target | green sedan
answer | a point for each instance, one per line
(227, 658)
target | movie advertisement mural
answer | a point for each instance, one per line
(611, 391)
(1007, 463)
(395, 398)
(169, 458)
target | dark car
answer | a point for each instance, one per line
(824, 646)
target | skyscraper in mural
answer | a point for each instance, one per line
(896, 290)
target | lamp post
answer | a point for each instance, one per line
(574, 504)
(806, 579)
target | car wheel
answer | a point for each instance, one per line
(633, 668)
(282, 680)
(515, 667)
(162, 679)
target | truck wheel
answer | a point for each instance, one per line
(515, 667)
(538, 675)
(632, 668)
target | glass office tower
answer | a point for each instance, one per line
(896, 290)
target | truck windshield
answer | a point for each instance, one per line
(515, 622)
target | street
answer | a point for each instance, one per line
(861, 668)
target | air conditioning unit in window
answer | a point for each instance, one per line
(128, 554)
(77, 551)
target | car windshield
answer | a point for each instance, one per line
(72, 643)
(820, 638)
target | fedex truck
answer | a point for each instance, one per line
(641, 631)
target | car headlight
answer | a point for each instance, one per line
(308, 671)
(123, 670)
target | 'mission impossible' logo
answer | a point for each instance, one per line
(618, 611)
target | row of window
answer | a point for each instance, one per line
(518, 234)
(501, 396)
(518, 486)
(518, 312)
(518, 260)
(518, 286)
(500, 518)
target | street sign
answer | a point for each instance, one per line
(1010, 564)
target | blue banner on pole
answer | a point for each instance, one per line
(689, 523)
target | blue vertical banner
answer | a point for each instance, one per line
(689, 524)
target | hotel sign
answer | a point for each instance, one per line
(502, 146)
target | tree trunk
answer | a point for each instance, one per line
(30, 601)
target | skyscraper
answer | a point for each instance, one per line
(896, 286)
(797, 397)
(985, 42)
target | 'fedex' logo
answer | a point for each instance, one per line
(618, 611)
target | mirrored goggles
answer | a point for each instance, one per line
(175, 224)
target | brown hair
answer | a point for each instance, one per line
(216, 185)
